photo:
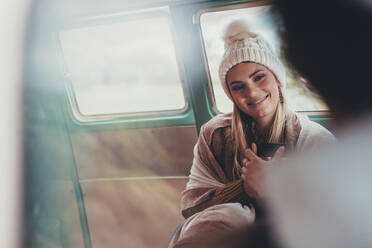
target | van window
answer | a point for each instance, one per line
(213, 25)
(124, 66)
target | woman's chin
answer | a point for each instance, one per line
(261, 115)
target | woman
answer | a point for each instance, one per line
(224, 189)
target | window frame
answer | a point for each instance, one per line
(211, 95)
(141, 14)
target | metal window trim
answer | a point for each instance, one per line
(117, 16)
(196, 17)
(317, 113)
(81, 118)
(196, 21)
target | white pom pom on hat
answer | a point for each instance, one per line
(237, 30)
(242, 45)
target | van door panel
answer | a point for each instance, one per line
(165, 151)
(132, 180)
(133, 213)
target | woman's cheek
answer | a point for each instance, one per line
(241, 101)
(236, 97)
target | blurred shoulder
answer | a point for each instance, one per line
(343, 169)
(313, 134)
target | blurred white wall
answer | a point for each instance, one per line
(13, 20)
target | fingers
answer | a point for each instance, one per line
(279, 153)
(250, 155)
(243, 177)
(254, 148)
(244, 170)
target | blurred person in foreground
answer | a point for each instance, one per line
(324, 199)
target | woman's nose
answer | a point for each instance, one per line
(251, 91)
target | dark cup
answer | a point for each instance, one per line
(267, 150)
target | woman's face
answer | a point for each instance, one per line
(254, 90)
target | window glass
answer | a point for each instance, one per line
(213, 25)
(123, 67)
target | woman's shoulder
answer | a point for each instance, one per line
(220, 120)
(312, 133)
(216, 123)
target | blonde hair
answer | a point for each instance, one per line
(242, 125)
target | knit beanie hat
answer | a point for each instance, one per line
(241, 45)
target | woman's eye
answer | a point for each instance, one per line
(258, 78)
(237, 87)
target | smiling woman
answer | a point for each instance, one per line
(227, 171)
(255, 91)
(258, 16)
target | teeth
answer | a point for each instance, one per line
(260, 100)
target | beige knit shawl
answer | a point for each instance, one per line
(206, 174)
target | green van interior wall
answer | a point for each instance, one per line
(52, 203)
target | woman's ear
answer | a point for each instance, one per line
(281, 99)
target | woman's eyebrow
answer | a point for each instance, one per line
(255, 73)
(236, 82)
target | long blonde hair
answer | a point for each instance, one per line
(242, 125)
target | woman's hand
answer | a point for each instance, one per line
(254, 169)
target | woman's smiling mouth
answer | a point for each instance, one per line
(261, 100)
